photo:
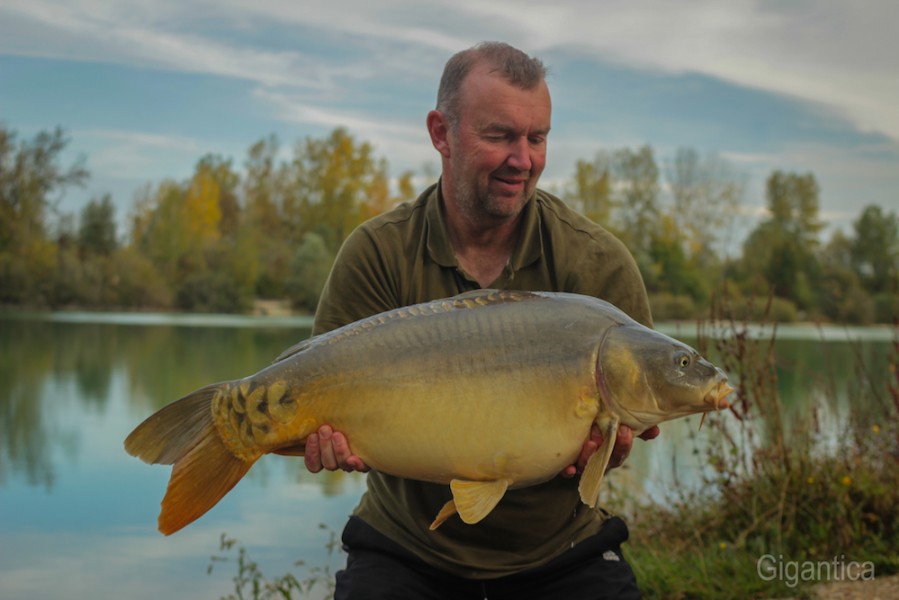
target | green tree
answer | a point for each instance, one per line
(310, 267)
(267, 230)
(97, 228)
(874, 251)
(793, 204)
(783, 248)
(165, 234)
(839, 293)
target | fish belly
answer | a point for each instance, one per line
(478, 395)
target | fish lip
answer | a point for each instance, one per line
(717, 396)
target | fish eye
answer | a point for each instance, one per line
(683, 360)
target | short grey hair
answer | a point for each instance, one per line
(512, 64)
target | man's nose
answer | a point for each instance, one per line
(520, 154)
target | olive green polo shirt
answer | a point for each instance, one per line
(404, 257)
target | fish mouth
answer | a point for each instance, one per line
(717, 397)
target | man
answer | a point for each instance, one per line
(484, 224)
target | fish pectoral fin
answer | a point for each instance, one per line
(475, 499)
(448, 510)
(591, 479)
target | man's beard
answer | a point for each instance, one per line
(484, 206)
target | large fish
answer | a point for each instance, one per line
(485, 391)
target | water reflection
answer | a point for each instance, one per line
(158, 364)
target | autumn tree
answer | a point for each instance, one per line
(636, 193)
(266, 230)
(706, 193)
(32, 179)
(336, 183)
(590, 190)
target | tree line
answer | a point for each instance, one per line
(225, 237)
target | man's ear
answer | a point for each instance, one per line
(438, 129)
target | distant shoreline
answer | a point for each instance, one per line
(287, 318)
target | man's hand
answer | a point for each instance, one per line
(328, 449)
(620, 450)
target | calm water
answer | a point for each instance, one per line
(77, 514)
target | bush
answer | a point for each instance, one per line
(886, 308)
(310, 267)
(211, 293)
(669, 307)
(137, 282)
(756, 308)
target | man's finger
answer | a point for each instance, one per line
(651, 433)
(622, 447)
(328, 457)
(312, 454)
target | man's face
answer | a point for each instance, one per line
(498, 146)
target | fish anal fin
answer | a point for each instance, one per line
(448, 510)
(199, 480)
(475, 499)
(591, 478)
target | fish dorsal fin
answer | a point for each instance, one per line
(475, 499)
(591, 479)
(295, 349)
(486, 297)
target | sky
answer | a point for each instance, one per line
(145, 88)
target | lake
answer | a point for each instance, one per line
(78, 515)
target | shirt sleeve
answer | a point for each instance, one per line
(360, 285)
(609, 271)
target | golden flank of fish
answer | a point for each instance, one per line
(484, 392)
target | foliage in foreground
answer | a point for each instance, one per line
(250, 582)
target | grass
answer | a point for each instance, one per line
(251, 583)
(772, 492)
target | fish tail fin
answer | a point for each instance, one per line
(183, 434)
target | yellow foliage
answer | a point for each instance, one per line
(201, 207)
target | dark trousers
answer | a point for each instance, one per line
(380, 569)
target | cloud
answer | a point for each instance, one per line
(837, 55)
(146, 35)
(404, 143)
(139, 155)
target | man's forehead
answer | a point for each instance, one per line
(489, 91)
